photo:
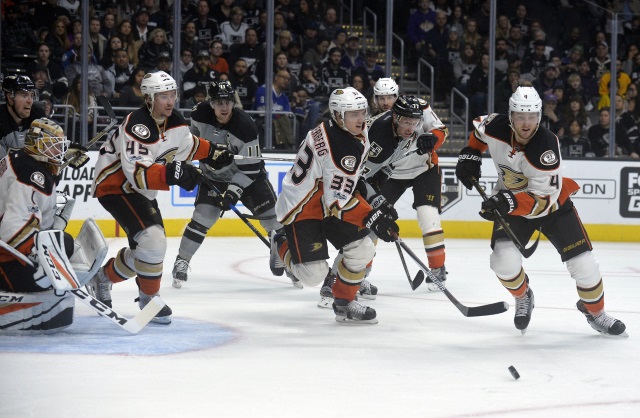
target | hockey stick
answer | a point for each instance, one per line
(114, 120)
(213, 187)
(132, 325)
(244, 157)
(526, 252)
(483, 310)
(415, 283)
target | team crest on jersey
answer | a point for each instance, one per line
(349, 163)
(33, 209)
(315, 246)
(38, 178)
(141, 131)
(548, 158)
(375, 150)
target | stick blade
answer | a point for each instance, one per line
(486, 310)
(417, 281)
(137, 323)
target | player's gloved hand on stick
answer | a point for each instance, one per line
(230, 197)
(426, 142)
(379, 202)
(183, 174)
(219, 156)
(77, 155)
(382, 224)
(503, 202)
(469, 162)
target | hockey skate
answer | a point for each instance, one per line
(163, 317)
(275, 262)
(367, 290)
(353, 312)
(100, 287)
(603, 323)
(326, 294)
(441, 274)
(179, 272)
(524, 307)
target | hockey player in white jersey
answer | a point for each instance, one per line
(319, 202)
(242, 180)
(385, 93)
(150, 151)
(532, 192)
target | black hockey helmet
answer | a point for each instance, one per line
(408, 107)
(14, 83)
(221, 90)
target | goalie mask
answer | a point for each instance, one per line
(45, 141)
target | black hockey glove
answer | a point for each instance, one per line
(379, 202)
(503, 202)
(76, 155)
(382, 225)
(469, 162)
(426, 142)
(361, 187)
(219, 157)
(378, 180)
(183, 174)
(230, 197)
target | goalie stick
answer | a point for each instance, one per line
(131, 325)
(526, 252)
(483, 310)
(104, 102)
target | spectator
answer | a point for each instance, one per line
(131, 95)
(306, 110)
(572, 61)
(330, 25)
(199, 96)
(599, 37)
(16, 34)
(463, 68)
(47, 100)
(369, 69)
(206, 26)
(232, 31)
(78, 114)
(540, 35)
(287, 11)
(551, 118)
(189, 38)
(599, 137)
(281, 63)
(120, 72)
(279, 25)
(600, 63)
(625, 120)
(332, 75)
(352, 57)
(635, 69)
(40, 78)
(504, 90)
(200, 74)
(222, 11)
(629, 58)
(631, 97)
(76, 47)
(186, 61)
(535, 62)
(151, 49)
(163, 63)
(576, 110)
(157, 17)
(478, 88)
(622, 82)
(304, 15)
(503, 26)
(98, 41)
(548, 80)
(435, 52)
(72, 7)
(251, 13)
(359, 83)
(249, 51)
(244, 85)
(482, 17)
(572, 39)
(57, 40)
(108, 25)
(47, 12)
(283, 41)
(217, 62)
(125, 32)
(576, 89)
(142, 29)
(470, 35)
(318, 55)
(310, 36)
(99, 82)
(454, 46)
(574, 144)
(588, 80)
(521, 20)
(108, 58)
(294, 56)
(59, 83)
(339, 40)
(515, 43)
(420, 21)
(26, 15)
(309, 81)
(283, 132)
(501, 58)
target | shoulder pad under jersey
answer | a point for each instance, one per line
(543, 151)
(32, 173)
(141, 126)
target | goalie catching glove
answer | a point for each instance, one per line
(382, 224)
(77, 155)
(469, 162)
(183, 174)
(219, 157)
(503, 202)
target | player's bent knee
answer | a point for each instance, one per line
(206, 215)
(505, 260)
(428, 219)
(152, 245)
(358, 254)
(584, 269)
(311, 273)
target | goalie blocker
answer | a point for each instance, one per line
(50, 310)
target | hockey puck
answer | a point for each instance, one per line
(514, 372)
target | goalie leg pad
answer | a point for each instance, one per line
(52, 257)
(90, 250)
(29, 313)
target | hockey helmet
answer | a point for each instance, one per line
(525, 100)
(222, 90)
(385, 87)
(158, 82)
(45, 141)
(345, 100)
(407, 107)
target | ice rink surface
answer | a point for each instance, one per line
(246, 344)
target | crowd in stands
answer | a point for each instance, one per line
(559, 47)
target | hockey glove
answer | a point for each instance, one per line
(382, 225)
(379, 202)
(426, 142)
(378, 180)
(77, 155)
(219, 157)
(230, 197)
(503, 202)
(183, 174)
(361, 187)
(469, 162)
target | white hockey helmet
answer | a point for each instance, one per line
(525, 100)
(344, 100)
(45, 141)
(385, 87)
(157, 82)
